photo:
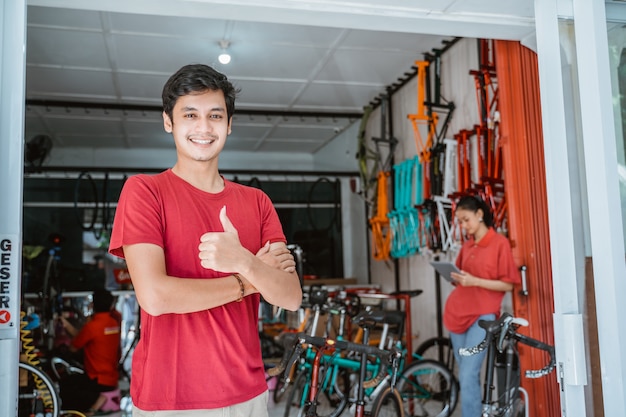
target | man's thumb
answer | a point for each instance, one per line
(226, 224)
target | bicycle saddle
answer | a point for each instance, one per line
(374, 317)
(494, 326)
(410, 293)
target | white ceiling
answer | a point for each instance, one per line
(305, 68)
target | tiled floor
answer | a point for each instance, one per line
(274, 410)
(277, 410)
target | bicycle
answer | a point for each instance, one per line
(436, 348)
(427, 388)
(432, 355)
(503, 364)
(316, 303)
(387, 402)
(38, 393)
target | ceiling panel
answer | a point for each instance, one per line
(317, 57)
(338, 97)
(63, 18)
(267, 94)
(140, 87)
(94, 85)
(66, 48)
(166, 26)
(158, 54)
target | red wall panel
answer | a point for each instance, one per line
(525, 185)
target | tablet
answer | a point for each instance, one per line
(444, 269)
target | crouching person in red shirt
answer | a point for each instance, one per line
(99, 339)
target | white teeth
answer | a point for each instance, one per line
(202, 142)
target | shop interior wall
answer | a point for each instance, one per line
(415, 271)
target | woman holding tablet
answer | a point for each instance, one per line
(487, 272)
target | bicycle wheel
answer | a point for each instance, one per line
(330, 401)
(428, 389)
(37, 393)
(438, 349)
(388, 404)
(297, 396)
(280, 389)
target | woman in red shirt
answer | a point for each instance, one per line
(487, 273)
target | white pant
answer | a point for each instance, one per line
(256, 407)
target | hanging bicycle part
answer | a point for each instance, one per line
(385, 139)
(438, 102)
(423, 117)
(89, 204)
(464, 165)
(381, 234)
(487, 100)
(449, 228)
(404, 219)
(335, 219)
(367, 158)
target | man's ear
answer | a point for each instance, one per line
(167, 123)
(230, 125)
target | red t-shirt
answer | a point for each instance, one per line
(100, 339)
(490, 258)
(206, 359)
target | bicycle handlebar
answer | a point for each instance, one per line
(538, 373)
(506, 328)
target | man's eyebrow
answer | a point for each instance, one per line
(190, 108)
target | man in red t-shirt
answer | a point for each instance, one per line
(99, 339)
(201, 250)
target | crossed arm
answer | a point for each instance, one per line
(271, 271)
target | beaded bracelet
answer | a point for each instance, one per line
(241, 287)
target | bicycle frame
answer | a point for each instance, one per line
(321, 356)
(508, 388)
(322, 367)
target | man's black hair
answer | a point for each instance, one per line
(197, 78)
(102, 301)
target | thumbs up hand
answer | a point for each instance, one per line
(221, 251)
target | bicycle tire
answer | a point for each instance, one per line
(428, 389)
(328, 404)
(388, 404)
(296, 396)
(280, 389)
(36, 389)
(439, 349)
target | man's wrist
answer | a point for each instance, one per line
(242, 288)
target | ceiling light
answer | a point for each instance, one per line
(224, 57)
